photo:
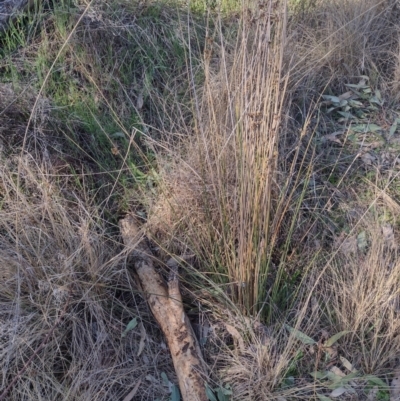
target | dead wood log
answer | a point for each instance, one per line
(166, 304)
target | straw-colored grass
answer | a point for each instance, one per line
(210, 127)
(66, 297)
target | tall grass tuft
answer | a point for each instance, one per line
(225, 198)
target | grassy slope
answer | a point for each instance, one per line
(253, 155)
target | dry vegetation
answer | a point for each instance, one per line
(258, 143)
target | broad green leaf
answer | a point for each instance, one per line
(346, 95)
(333, 99)
(288, 382)
(222, 396)
(366, 128)
(323, 397)
(300, 336)
(374, 127)
(334, 378)
(338, 381)
(361, 113)
(376, 380)
(335, 338)
(357, 86)
(319, 375)
(210, 394)
(118, 135)
(345, 114)
(165, 378)
(338, 392)
(362, 241)
(393, 128)
(352, 138)
(374, 99)
(175, 394)
(355, 103)
(131, 325)
(226, 390)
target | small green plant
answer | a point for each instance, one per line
(172, 388)
(338, 380)
(354, 110)
(131, 325)
(219, 393)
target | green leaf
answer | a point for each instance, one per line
(131, 325)
(362, 241)
(226, 390)
(335, 338)
(334, 378)
(300, 336)
(374, 127)
(358, 86)
(374, 99)
(319, 375)
(345, 114)
(393, 128)
(323, 397)
(352, 138)
(337, 392)
(355, 103)
(210, 394)
(377, 381)
(175, 394)
(333, 99)
(223, 395)
(338, 381)
(366, 128)
(165, 378)
(289, 381)
(118, 135)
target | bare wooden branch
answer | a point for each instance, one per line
(166, 304)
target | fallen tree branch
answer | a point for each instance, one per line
(166, 304)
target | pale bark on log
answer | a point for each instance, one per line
(166, 304)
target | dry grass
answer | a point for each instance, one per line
(66, 297)
(360, 286)
(333, 41)
(223, 194)
(269, 213)
(238, 193)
